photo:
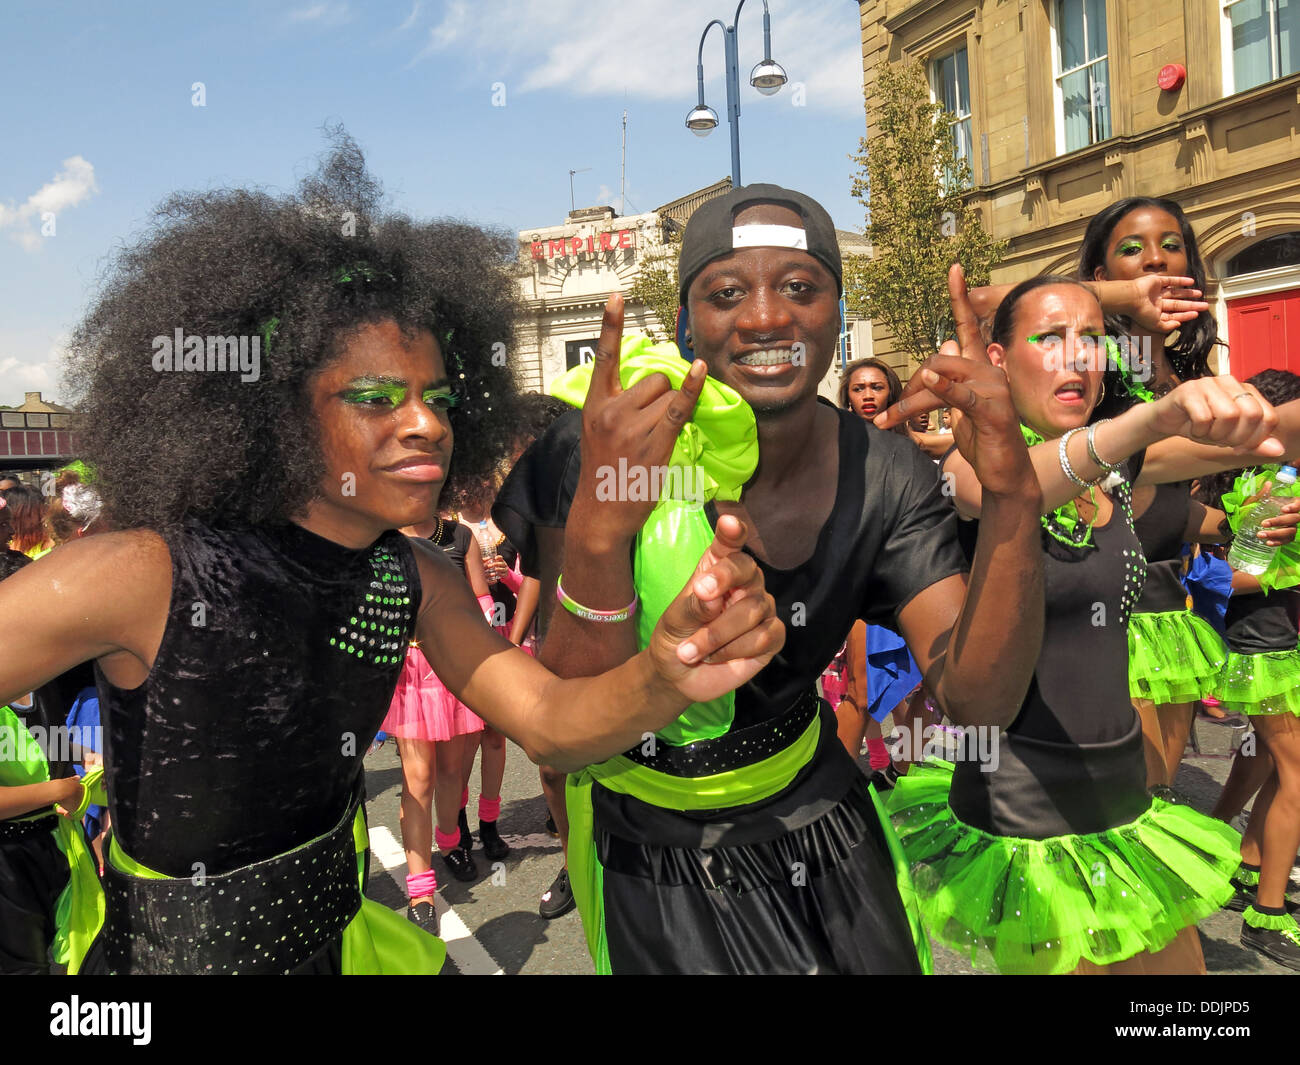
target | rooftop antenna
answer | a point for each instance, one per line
(622, 170)
(572, 206)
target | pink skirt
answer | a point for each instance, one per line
(423, 709)
(835, 680)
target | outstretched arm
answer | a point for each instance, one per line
(717, 634)
(1155, 302)
(594, 550)
(976, 642)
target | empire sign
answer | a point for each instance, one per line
(609, 240)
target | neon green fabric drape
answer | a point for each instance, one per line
(79, 909)
(714, 455)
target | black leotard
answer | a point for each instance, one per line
(1072, 758)
(1256, 623)
(1161, 529)
(274, 672)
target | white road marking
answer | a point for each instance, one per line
(470, 956)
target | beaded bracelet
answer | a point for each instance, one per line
(586, 613)
(1066, 468)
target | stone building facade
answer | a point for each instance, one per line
(1065, 106)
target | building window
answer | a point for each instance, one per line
(950, 84)
(1263, 38)
(1083, 77)
(1271, 253)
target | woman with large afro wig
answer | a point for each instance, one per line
(271, 385)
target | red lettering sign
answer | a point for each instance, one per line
(567, 246)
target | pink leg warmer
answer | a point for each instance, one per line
(446, 841)
(418, 885)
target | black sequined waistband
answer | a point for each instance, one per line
(11, 831)
(736, 750)
(269, 917)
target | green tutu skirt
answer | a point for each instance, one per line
(1040, 907)
(1173, 657)
(1261, 684)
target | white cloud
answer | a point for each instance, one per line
(70, 186)
(410, 19)
(322, 14)
(37, 366)
(649, 51)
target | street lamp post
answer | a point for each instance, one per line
(767, 77)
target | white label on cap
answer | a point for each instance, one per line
(759, 236)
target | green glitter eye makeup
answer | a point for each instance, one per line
(1129, 247)
(441, 398)
(393, 395)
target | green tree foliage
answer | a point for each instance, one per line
(918, 219)
(656, 286)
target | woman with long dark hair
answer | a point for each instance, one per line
(1174, 654)
(1057, 859)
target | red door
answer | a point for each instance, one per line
(1264, 331)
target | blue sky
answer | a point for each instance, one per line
(101, 122)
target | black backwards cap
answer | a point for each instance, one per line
(711, 232)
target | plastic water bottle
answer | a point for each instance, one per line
(1250, 554)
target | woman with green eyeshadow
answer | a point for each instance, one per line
(249, 623)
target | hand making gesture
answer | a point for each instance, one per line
(985, 425)
(722, 629)
(639, 426)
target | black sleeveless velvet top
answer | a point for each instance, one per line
(277, 665)
(1161, 528)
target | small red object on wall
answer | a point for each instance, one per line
(1171, 77)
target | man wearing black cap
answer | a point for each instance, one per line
(847, 522)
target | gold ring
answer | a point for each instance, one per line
(1239, 395)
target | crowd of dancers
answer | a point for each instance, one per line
(383, 536)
